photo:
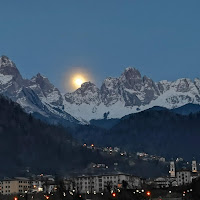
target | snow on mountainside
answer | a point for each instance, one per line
(117, 97)
(130, 93)
(37, 96)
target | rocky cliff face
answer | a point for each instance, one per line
(130, 88)
(129, 93)
(88, 93)
(46, 91)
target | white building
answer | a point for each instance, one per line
(183, 177)
(16, 185)
(97, 184)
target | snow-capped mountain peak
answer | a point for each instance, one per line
(129, 93)
(88, 93)
(38, 77)
(6, 62)
(37, 95)
(131, 73)
(46, 90)
(8, 68)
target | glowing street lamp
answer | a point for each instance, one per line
(114, 194)
(47, 197)
(148, 193)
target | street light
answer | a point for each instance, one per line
(148, 193)
(113, 194)
(47, 197)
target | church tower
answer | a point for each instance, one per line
(172, 169)
(194, 166)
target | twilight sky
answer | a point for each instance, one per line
(161, 38)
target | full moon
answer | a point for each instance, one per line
(78, 81)
(75, 77)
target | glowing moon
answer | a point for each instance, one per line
(75, 77)
(78, 81)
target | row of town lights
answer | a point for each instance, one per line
(184, 192)
(148, 193)
(138, 191)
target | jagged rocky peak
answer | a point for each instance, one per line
(43, 82)
(38, 78)
(131, 78)
(183, 85)
(88, 86)
(5, 62)
(50, 92)
(164, 86)
(9, 71)
(7, 67)
(131, 73)
(110, 91)
(109, 85)
(87, 93)
(88, 90)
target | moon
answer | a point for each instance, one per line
(78, 81)
(74, 77)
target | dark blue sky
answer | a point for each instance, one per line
(160, 38)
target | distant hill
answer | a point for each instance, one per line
(187, 109)
(183, 110)
(104, 123)
(160, 132)
(158, 108)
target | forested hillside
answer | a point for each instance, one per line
(160, 132)
(27, 142)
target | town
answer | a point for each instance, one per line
(177, 184)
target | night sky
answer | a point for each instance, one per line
(160, 38)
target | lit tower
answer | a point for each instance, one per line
(172, 169)
(194, 166)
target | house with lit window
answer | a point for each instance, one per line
(18, 185)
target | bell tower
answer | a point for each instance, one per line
(172, 169)
(194, 166)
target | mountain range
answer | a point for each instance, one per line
(131, 112)
(117, 97)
